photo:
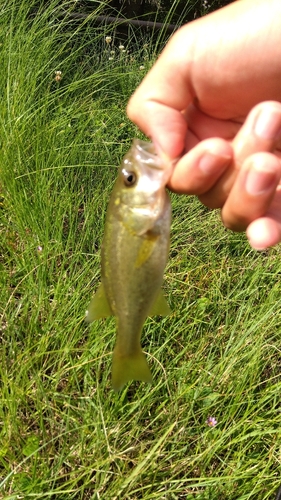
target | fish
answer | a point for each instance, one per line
(134, 254)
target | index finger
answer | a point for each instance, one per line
(156, 106)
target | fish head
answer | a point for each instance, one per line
(139, 193)
(142, 175)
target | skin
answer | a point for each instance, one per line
(212, 106)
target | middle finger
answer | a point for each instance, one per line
(261, 132)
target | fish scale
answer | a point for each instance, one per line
(133, 258)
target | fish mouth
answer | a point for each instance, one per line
(146, 153)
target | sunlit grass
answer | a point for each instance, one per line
(64, 432)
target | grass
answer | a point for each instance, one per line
(64, 433)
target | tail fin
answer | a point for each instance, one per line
(125, 368)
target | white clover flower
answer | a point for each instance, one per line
(58, 76)
(110, 58)
(108, 40)
(141, 67)
(121, 47)
(112, 52)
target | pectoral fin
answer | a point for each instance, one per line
(99, 306)
(160, 306)
(145, 250)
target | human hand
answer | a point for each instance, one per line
(194, 106)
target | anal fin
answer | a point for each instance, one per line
(160, 306)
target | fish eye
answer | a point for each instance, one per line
(130, 178)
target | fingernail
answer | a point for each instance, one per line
(268, 125)
(210, 163)
(260, 179)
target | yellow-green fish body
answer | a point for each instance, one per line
(134, 255)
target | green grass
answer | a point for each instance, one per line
(64, 433)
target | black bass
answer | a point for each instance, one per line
(133, 258)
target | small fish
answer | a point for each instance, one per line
(133, 258)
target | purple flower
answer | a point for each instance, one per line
(211, 421)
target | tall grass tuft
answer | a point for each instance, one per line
(209, 426)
